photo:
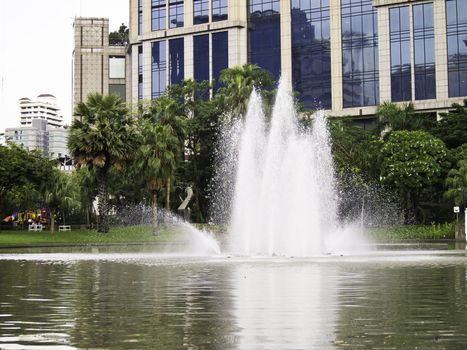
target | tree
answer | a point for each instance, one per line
(120, 37)
(60, 194)
(456, 181)
(452, 128)
(237, 84)
(156, 160)
(411, 162)
(395, 117)
(102, 135)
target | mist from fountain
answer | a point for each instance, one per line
(284, 200)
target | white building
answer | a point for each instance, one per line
(43, 107)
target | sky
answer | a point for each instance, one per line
(36, 46)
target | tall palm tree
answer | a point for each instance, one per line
(101, 136)
(456, 183)
(237, 84)
(156, 160)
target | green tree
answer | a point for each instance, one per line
(395, 117)
(102, 135)
(412, 161)
(456, 183)
(237, 84)
(156, 160)
(452, 128)
(60, 195)
(120, 37)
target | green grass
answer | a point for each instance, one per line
(83, 236)
(419, 232)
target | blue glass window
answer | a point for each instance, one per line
(201, 57)
(140, 17)
(399, 27)
(175, 14)
(140, 72)
(220, 55)
(360, 72)
(219, 10)
(424, 53)
(158, 14)
(456, 15)
(158, 68)
(176, 60)
(200, 11)
(311, 52)
(264, 35)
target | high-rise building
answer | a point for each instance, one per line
(346, 56)
(97, 65)
(43, 107)
(34, 136)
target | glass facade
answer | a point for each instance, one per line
(219, 10)
(201, 57)
(360, 71)
(399, 28)
(264, 35)
(140, 17)
(311, 52)
(140, 72)
(158, 15)
(200, 11)
(220, 55)
(158, 68)
(456, 28)
(424, 53)
(176, 61)
(175, 14)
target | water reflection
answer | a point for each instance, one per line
(401, 300)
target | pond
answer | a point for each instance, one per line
(396, 297)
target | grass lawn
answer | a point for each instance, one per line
(83, 236)
(415, 232)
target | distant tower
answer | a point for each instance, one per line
(97, 66)
(43, 107)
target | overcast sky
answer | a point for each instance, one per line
(36, 45)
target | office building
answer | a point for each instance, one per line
(43, 107)
(346, 56)
(97, 65)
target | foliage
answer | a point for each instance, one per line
(120, 37)
(452, 128)
(237, 84)
(395, 117)
(102, 135)
(411, 162)
(456, 183)
(433, 231)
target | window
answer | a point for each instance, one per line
(456, 27)
(116, 67)
(264, 35)
(220, 55)
(140, 17)
(219, 10)
(401, 82)
(311, 52)
(424, 53)
(200, 11)
(118, 89)
(140, 72)
(158, 68)
(176, 61)
(158, 15)
(176, 14)
(201, 57)
(360, 73)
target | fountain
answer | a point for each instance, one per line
(284, 201)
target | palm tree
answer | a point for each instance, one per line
(237, 84)
(102, 136)
(394, 117)
(156, 160)
(60, 194)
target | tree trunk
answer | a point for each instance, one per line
(103, 205)
(167, 196)
(52, 222)
(154, 214)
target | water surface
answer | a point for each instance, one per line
(392, 299)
